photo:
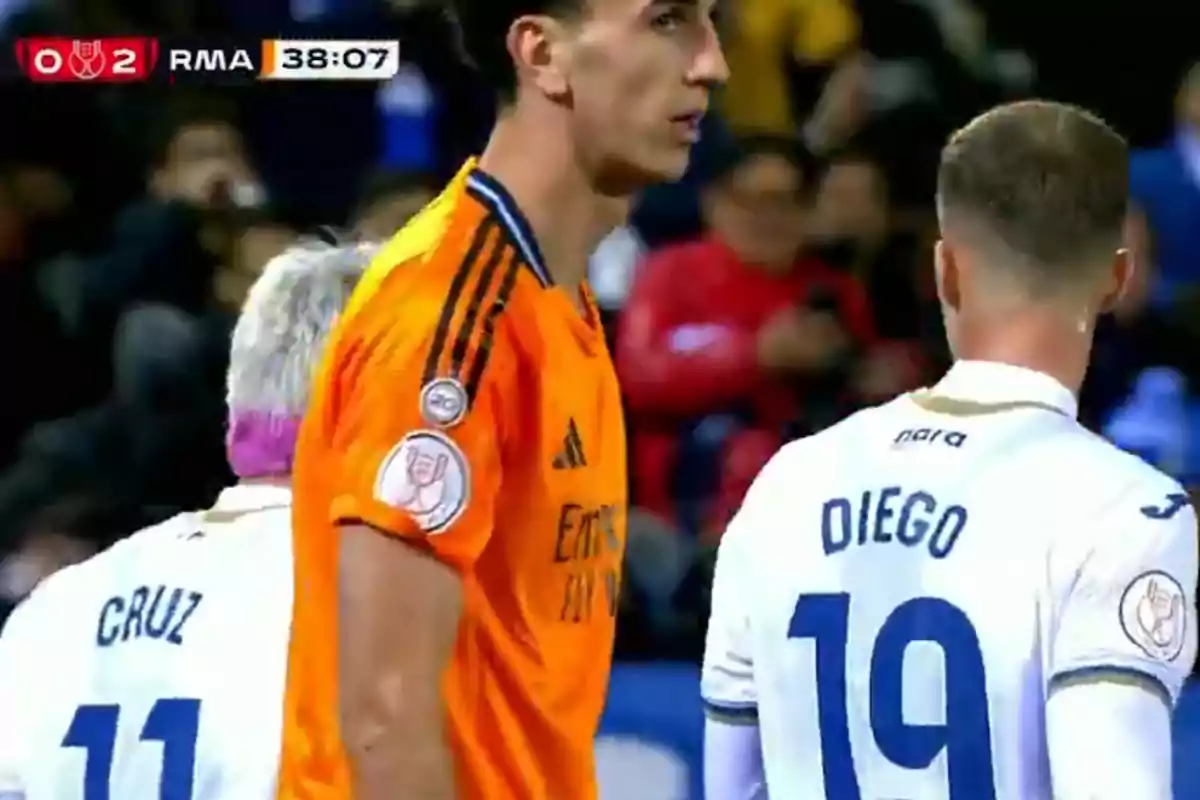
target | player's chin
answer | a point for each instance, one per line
(665, 165)
(628, 172)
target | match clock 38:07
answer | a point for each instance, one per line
(371, 60)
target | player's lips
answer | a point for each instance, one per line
(689, 124)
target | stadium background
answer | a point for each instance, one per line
(133, 218)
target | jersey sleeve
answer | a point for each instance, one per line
(1127, 610)
(16, 652)
(727, 678)
(418, 428)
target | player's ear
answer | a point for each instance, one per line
(946, 275)
(1121, 274)
(537, 46)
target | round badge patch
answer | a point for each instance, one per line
(443, 402)
(1154, 615)
(427, 476)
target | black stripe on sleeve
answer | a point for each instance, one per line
(483, 352)
(463, 341)
(442, 332)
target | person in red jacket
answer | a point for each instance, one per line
(730, 342)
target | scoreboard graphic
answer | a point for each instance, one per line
(52, 60)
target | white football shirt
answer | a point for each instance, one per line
(155, 668)
(899, 593)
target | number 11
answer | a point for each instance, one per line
(172, 721)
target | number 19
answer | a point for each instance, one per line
(966, 736)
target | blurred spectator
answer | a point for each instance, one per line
(853, 228)
(1135, 337)
(1165, 182)
(150, 317)
(252, 247)
(388, 199)
(787, 57)
(407, 109)
(50, 545)
(657, 560)
(29, 328)
(932, 65)
(730, 342)
(850, 228)
(166, 246)
(795, 71)
(1153, 422)
(460, 110)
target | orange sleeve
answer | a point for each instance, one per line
(419, 414)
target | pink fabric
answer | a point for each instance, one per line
(260, 444)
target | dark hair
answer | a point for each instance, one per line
(183, 113)
(481, 27)
(1047, 183)
(734, 152)
(382, 183)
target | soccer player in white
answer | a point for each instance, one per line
(156, 668)
(963, 593)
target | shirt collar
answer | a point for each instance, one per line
(494, 197)
(245, 497)
(993, 382)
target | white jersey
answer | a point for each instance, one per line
(899, 593)
(156, 668)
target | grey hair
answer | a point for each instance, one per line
(285, 323)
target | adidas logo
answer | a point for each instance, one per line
(571, 456)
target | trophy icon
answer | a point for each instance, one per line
(86, 59)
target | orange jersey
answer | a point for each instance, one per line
(466, 404)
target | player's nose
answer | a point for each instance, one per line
(709, 68)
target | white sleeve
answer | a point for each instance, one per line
(733, 764)
(1109, 740)
(16, 693)
(727, 678)
(1127, 609)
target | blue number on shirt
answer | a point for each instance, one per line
(172, 721)
(966, 735)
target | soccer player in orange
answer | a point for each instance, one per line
(460, 476)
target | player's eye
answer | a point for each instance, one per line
(669, 19)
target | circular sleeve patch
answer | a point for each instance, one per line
(443, 402)
(1154, 615)
(426, 475)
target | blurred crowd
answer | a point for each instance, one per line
(783, 283)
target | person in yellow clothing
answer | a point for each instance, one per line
(763, 37)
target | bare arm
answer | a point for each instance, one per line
(399, 610)
(414, 505)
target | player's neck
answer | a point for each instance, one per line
(567, 215)
(1042, 340)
